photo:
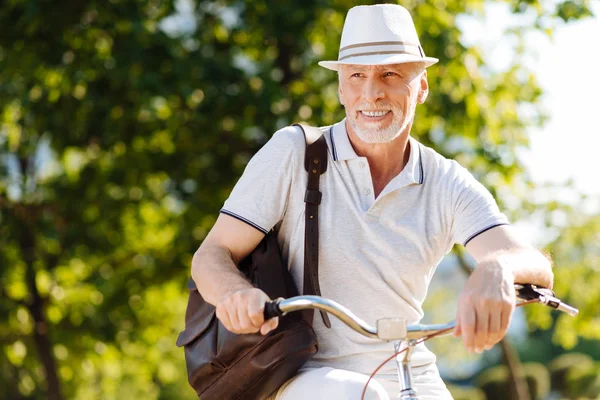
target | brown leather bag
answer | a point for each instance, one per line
(222, 365)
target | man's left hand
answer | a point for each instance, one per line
(485, 306)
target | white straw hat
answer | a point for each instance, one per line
(378, 35)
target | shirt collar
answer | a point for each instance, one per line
(342, 150)
(413, 169)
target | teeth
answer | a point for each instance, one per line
(375, 113)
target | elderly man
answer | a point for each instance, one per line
(391, 209)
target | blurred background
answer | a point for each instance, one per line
(124, 124)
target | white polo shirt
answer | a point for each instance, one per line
(376, 256)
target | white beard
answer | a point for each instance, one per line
(373, 133)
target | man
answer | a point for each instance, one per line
(391, 209)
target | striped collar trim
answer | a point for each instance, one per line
(340, 143)
(342, 150)
(418, 172)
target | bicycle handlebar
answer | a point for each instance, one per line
(396, 328)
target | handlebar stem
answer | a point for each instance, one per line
(404, 369)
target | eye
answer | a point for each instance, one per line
(355, 75)
(390, 73)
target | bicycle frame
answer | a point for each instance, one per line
(404, 336)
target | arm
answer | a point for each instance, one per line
(488, 299)
(259, 199)
(501, 246)
(239, 305)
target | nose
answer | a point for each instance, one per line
(373, 90)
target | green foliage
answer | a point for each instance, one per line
(576, 256)
(584, 382)
(562, 365)
(572, 375)
(494, 381)
(119, 141)
(572, 10)
(538, 380)
(567, 366)
(466, 393)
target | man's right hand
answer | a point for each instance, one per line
(242, 312)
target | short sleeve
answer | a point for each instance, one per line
(474, 209)
(260, 196)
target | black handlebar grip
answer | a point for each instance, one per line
(272, 310)
(532, 292)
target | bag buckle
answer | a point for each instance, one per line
(313, 197)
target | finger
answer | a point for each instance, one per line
(244, 320)
(233, 317)
(269, 325)
(457, 331)
(223, 316)
(256, 313)
(468, 327)
(481, 329)
(495, 330)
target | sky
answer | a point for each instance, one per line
(568, 70)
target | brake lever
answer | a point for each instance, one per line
(545, 296)
(532, 292)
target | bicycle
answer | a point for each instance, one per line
(405, 337)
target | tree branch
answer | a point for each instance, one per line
(36, 302)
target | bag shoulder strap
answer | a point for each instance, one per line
(315, 163)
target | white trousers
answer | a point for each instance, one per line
(331, 384)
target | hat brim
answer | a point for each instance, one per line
(379, 59)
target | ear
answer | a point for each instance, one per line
(423, 89)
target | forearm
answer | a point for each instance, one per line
(526, 266)
(215, 274)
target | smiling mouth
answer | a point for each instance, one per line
(374, 114)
